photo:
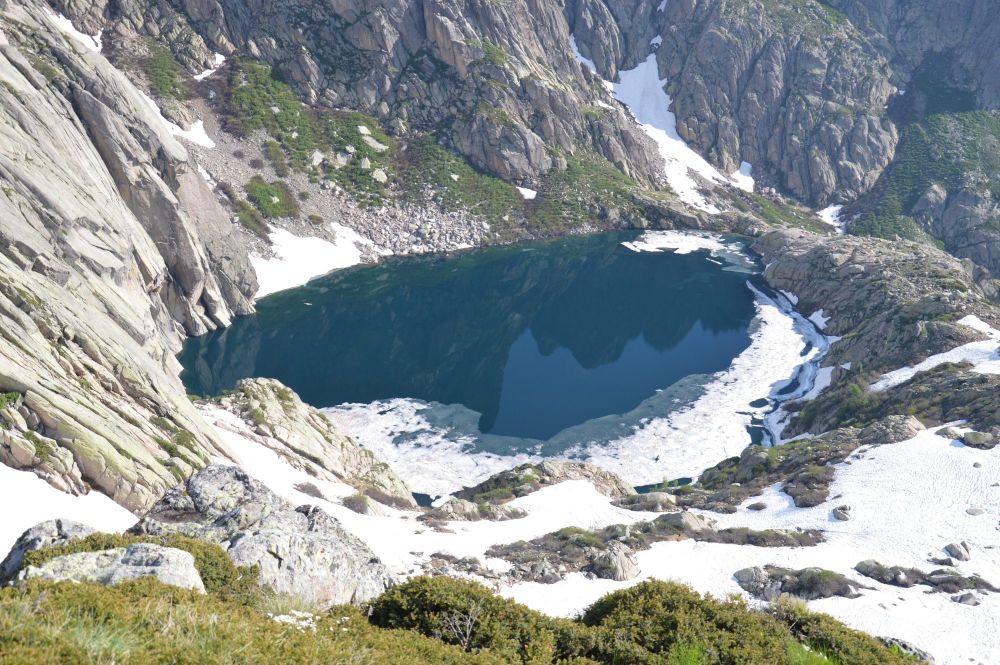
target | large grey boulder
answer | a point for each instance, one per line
(617, 562)
(301, 551)
(109, 567)
(46, 534)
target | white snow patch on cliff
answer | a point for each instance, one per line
(29, 500)
(527, 194)
(641, 89)
(831, 215)
(219, 61)
(742, 177)
(984, 357)
(299, 259)
(196, 134)
(92, 42)
(819, 319)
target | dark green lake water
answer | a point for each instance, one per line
(535, 338)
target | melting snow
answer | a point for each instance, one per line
(299, 259)
(195, 135)
(30, 500)
(819, 319)
(908, 501)
(984, 356)
(742, 178)
(65, 26)
(219, 60)
(527, 194)
(831, 215)
(680, 242)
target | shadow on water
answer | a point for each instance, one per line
(534, 338)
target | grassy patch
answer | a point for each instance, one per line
(456, 184)
(164, 74)
(273, 199)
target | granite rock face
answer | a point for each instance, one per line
(301, 551)
(112, 249)
(274, 416)
(499, 84)
(109, 567)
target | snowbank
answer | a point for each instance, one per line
(831, 215)
(219, 61)
(742, 178)
(93, 43)
(527, 194)
(984, 357)
(29, 500)
(680, 242)
(907, 500)
(298, 259)
(196, 134)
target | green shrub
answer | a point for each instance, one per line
(219, 574)
(277, 158)
(273, 199)
(164, 74)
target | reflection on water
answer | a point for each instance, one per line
(534, 338)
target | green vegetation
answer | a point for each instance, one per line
(588, 187)
(493, 54)
(164, 74)
(272, 199)
(944, 141)
(258, 99)
(277, 157)
(457, 185)
(425, 620)
(43, 67)
(6, 399)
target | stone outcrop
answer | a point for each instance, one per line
(275, 417)
(617, 562)
(300, 551)
(112, 249)
(941, 580)
(109, 567)
(467, 511)
(528, 478)
(47, 534)
(771, 582)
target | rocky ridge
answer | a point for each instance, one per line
(105, 266)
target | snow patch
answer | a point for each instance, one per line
(819, 319)
(831, 215)
(195, 135)
(527, 194)
(656, 41)
(908, 500)
(30, 500)
(741, 177)
(680, 242)
(92, 42)
(299, 259)
(984, 357)
(219, 60)
(641, 89)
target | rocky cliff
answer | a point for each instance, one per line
(112, 249)
(497, 82)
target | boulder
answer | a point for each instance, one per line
(45, 534)
(301, 551)
(617, 562)
(687, 521)
(108, 567)
(981, 440)
(842, 513)
(650, 502)
(958, 551)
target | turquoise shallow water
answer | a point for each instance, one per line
(535, 338)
